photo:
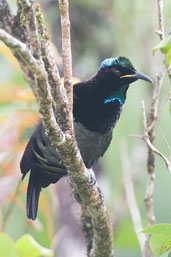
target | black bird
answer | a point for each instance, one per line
(97, 105)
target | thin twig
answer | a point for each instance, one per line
(146, 138)
(66, 47)
(149, 137)
(160, 31)
(98, 248)
(155, 97)
(163, 106)
(29, 19)
(67, 56)
(11, 205)
(43, 94)
(130, 196)
(164, 139)
(61, 103)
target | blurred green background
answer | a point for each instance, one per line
(99, 29)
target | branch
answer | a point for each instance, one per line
(130, 196)
(11, 205)
(27, 11)
(42, 74)
(164, 139)
(160, 31)
(148, 137)
(42, 94)
(66, 47)
(67, 57)
(87, 228)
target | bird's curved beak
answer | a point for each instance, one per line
(138, 75)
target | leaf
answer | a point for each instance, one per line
(160, 239)
(27, 246)
(166, 253)
(7, 246)
(164, 45)
(170, 108)
(168, 57)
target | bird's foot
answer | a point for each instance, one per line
(101, 194)
(92, 182)
(76, 196)
(92, 179)
(69, 180)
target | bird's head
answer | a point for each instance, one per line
(121, 69)
(118, 73)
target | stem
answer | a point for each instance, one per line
(130, 196)
(12, 204)
(66, 54)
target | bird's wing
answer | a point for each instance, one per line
(44, 164)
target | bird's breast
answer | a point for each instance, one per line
(92, 144)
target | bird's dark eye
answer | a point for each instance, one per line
(117, 72)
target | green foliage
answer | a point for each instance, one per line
(160, 241)
(7, 247)
(25, 246)
(165, 48)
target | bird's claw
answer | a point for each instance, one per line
(69, 180)
(101, 194)
(76, 196)
(92, 180)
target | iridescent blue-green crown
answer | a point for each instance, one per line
(119, 61)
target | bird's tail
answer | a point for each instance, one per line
(33, 192)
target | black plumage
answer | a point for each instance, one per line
(97, 105)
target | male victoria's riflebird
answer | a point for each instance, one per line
(97, 105)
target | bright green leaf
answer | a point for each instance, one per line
(158, 228)
(164, 45)
(170, 108)
(27, 246)
(168, 57)
(160, 239)
(7, 246)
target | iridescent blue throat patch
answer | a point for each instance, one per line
(109, 100)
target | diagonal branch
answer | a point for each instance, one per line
(61, 139)
(26, 11)
(146, 138)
